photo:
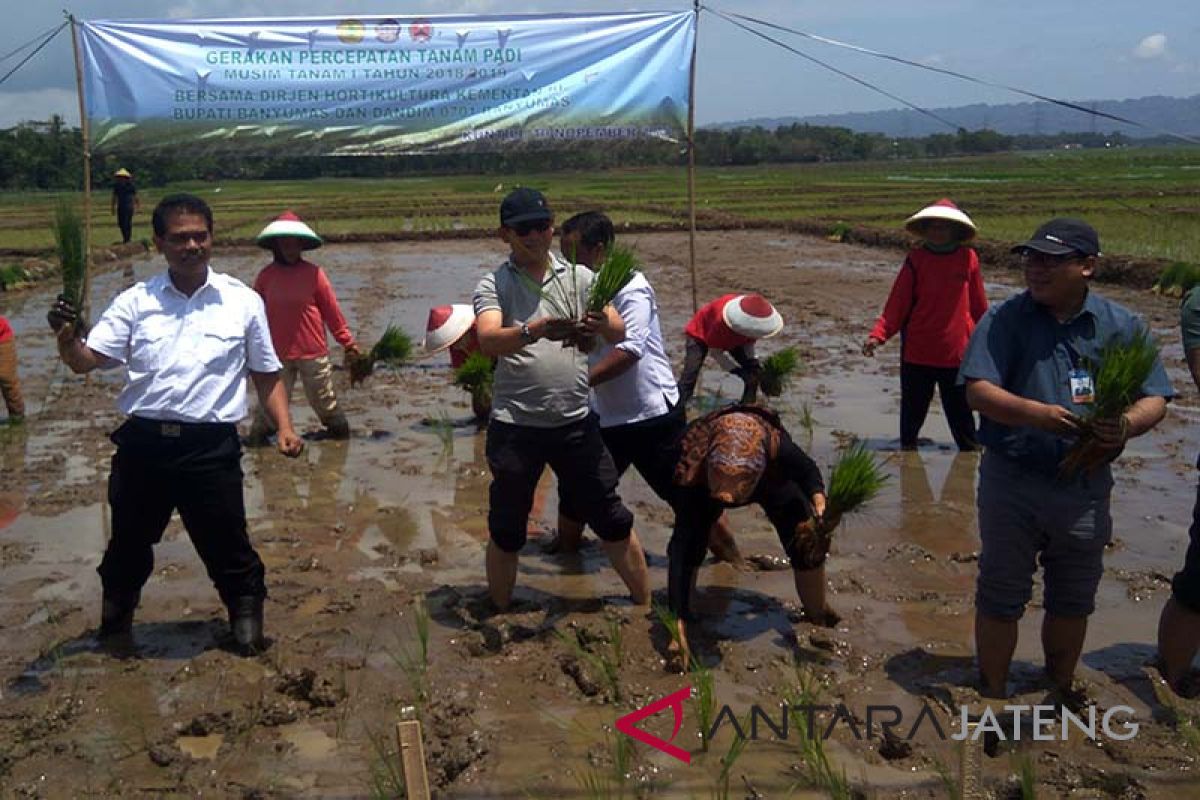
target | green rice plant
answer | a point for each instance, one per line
(777, 370)
(563, 302)
(704, 700)
(736, 747)
(618, 268)
(415, 664)
(839, 232)
(946, 778)
(1027, 775)
(807, 421)
(393, 347)
(1178, 279)
(1121, 370)
(818, 769)
(11, 275)
(68, 240)
(604, 664)
(606, 784)
(385, 772)
(855, 478)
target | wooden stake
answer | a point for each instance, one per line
(85, 289)
(691, 149)
(412, 759)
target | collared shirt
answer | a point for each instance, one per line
(647, 389)
(187, 356)
(1022, 348)
(542, 385)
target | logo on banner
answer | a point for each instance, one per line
(421, 30)
(675, 702)
(351, 31)
(388, 31)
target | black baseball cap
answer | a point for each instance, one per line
(1062, 236)
(524, 205)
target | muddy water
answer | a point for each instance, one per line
(355, 533)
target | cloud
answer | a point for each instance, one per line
(38, 105)
(1153, 46)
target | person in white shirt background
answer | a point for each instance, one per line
(187, 337)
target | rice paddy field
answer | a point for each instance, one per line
(1144, 201)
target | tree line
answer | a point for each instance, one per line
(49, 155)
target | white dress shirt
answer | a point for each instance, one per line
(187, 356)
(647, 389)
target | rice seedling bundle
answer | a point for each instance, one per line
(1178, 279)
(392, 348)
(619, 266)
(855, 479)
(777, 371)
(562, 301)
(476, 373)
(1122, 369)
(68, 239)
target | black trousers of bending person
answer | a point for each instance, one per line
(125, 222)
(917, 383)
(695, 351)
(160, 467)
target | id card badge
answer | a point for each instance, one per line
(1083, 389)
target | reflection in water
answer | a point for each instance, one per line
(14, 440)
(941, 524)
(305, 489)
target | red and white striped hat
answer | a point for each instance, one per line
(288, 224)
(750, 315)
(942, 209)
(446, 325)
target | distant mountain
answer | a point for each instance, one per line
(1174, 114)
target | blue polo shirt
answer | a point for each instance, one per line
(1020, 347)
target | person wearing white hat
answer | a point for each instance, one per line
(124, 202)
(452, 328)
(300, 305)
(732, 324)
(934, 304)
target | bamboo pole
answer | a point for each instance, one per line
(85, 289)
(412, 759)
(691, 150)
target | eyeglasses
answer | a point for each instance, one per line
(525, 228)
(1032, 258)
(184, 239)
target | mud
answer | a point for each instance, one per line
(370, 541)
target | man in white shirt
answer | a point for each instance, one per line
(188, 337)
(633, 390)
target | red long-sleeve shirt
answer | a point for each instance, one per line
(708, 325)
(935, 302)
(300, 302)
(6, 331)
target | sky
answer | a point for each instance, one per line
(1093, 50)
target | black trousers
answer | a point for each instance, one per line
(195, 468)
(917, 382)
(125, 222)
(695, 351)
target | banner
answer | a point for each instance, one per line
(385, 85)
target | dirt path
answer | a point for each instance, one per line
(369, 542)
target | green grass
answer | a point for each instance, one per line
(1142, 200)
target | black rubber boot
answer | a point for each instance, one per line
(116, 615)
(338, 426)
(246, 624)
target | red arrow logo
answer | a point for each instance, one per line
(675, 700)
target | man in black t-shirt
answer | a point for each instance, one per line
(124, 202)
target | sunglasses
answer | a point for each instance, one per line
(525, 228)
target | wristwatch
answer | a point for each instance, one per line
(526, 334)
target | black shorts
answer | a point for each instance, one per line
(1185, 587)
(651, 446)
(587, 479)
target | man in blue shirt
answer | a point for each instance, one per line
(1028, 372)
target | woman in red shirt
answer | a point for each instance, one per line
(934, 304)
(10, 384)
(731, 324)
(300, 304)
